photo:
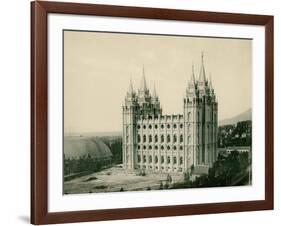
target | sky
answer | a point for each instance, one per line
(98, 68)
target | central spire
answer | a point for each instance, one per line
(143, 87)
(131, 90)
(202, 75)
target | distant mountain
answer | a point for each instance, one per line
(247, 115)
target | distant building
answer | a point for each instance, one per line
(85, 154)
(171, 143)
(228, 150)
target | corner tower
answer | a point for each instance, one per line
(200, 117)
(191, 122)
(129, 129)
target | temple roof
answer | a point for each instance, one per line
(77, 147)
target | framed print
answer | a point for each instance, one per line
(147, 112)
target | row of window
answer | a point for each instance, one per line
(161, 168)
(150, 147)
(168, 138)
(162, 160)
(162, 126)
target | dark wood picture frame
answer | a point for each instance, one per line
(39, 112)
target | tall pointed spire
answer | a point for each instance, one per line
(211, 86)
(154, 95)
(192, 78)
(143, 87)
(191, 89)
(154, 92)
(210, 81)
(202, 75)
(131, 90)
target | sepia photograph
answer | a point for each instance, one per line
(148, 112)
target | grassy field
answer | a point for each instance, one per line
(116, 179)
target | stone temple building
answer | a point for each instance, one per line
(171, 143)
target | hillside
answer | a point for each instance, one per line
(247, 115)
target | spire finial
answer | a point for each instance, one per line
(202, 76)
(131, 90)
(192, 68)
(192, 79)
(143, 81)
(210, 81)
(154, 91)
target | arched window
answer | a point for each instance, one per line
(181, 126)
(168, 147)
(181, 160)
(175, 126)
(144, 147)
(150, 127)
(175, 160)
(168, 126)
(162, 159)
(162, 147)
(168, 160)
(156, 159)
(144, 138)
(138, 126)
(175, 147)
(150, 159)
(144, 158)
(162, 126)
(156, 147)
(155, 126)
(168, 138)
(144, 127)
(162, 138)
(181, 138)
(139, 138)
(155, 138)
(175, 138)
(149, 147)
(189, 116)
(181, 148)
(150, 138)
(139, 158)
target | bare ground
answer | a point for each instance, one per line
(115, 178)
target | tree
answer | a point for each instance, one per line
(228, 170)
